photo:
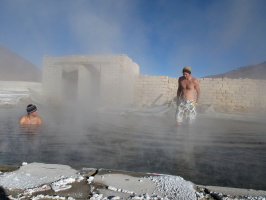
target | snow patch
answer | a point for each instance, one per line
(35, 175)
(62, 184)
(174, 187)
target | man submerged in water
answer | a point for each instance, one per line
(186, 105)
(32, 117)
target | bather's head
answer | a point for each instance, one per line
(187, 69)
(31, 109)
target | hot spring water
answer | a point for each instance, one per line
(220, 152)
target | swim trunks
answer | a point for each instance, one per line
(187, 109)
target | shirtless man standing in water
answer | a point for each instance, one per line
(186, 105)
(32, 117)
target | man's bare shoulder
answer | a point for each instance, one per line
(22, 119)
(195, 80)
(181, 78)
(39, 120)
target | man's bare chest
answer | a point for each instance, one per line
(187, 85)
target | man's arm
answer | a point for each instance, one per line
(179, 90)
(197, 87)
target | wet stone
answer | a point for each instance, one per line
(8, 168)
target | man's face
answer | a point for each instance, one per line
(186, 75)
(34, 114)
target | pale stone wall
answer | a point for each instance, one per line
(244, 95)
(154, 90)
(99, 79)
(229, 95)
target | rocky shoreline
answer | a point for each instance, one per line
(40, 181)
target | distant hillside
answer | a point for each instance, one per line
(256, 71)
(15, 68)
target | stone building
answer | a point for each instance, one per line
(92, 80)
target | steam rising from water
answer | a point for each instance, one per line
(213, 152)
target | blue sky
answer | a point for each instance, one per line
(161, 36)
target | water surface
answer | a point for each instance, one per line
(220, 152)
